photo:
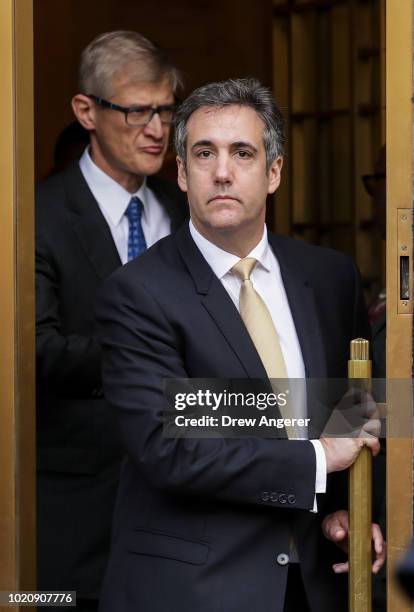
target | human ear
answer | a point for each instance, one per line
(275, 173)
(182, 174)
(84, 111)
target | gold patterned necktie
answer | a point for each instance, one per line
(259, 324)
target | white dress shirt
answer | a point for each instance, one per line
(267, 280)
(113, 201)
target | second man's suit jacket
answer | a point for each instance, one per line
(204, 524)
(79, 453)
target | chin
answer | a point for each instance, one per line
(225, 226)
(149, 168)
(225, 221)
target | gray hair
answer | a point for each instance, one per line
(121, 51)
(240, 92)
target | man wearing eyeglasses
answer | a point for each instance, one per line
(100, 213)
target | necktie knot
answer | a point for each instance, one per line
(244, 267)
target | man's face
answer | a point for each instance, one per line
(122, 150)
(226, 178)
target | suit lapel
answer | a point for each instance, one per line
(89, 224)
(219, 305)
(228, 320)
(302, 304)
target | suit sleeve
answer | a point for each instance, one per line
(142, 348)
(66, 363)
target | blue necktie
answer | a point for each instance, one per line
(136, 238)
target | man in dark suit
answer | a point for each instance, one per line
(213, 524)
(96, 215)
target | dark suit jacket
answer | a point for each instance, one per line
(78, 447)
(200, 523)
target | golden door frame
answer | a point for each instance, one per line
(399, 125)
(17, 356)
(17, 381)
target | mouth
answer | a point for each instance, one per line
(153, 150)
(223, 198)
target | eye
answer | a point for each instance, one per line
(204, 154)
(140, 110)
(243, 154)
(139, 115)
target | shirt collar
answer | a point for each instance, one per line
(109, 194)
(222, 261)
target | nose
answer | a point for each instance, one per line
(154, 127)
(223, 172)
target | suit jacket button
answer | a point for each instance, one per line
(292, 499)
(273, 496)
(282, 498)
(265, 496)
(282, 559)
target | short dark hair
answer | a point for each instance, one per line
(239, 92)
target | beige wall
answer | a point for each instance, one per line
(210, 40)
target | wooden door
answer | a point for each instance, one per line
(399, 89)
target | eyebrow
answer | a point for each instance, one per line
(202, 143)
(234, 145)
(243, 144)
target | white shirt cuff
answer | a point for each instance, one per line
(320, 479)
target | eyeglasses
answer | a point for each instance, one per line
(370, 181)
(140, 115)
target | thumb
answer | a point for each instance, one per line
(338, 532)
(336, 526)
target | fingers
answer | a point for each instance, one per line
(335, 526)
(372, 443)
(380, 548)
(371, 428)
(359, 415)
(337, 533)
(377, 538)
(340, 568)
